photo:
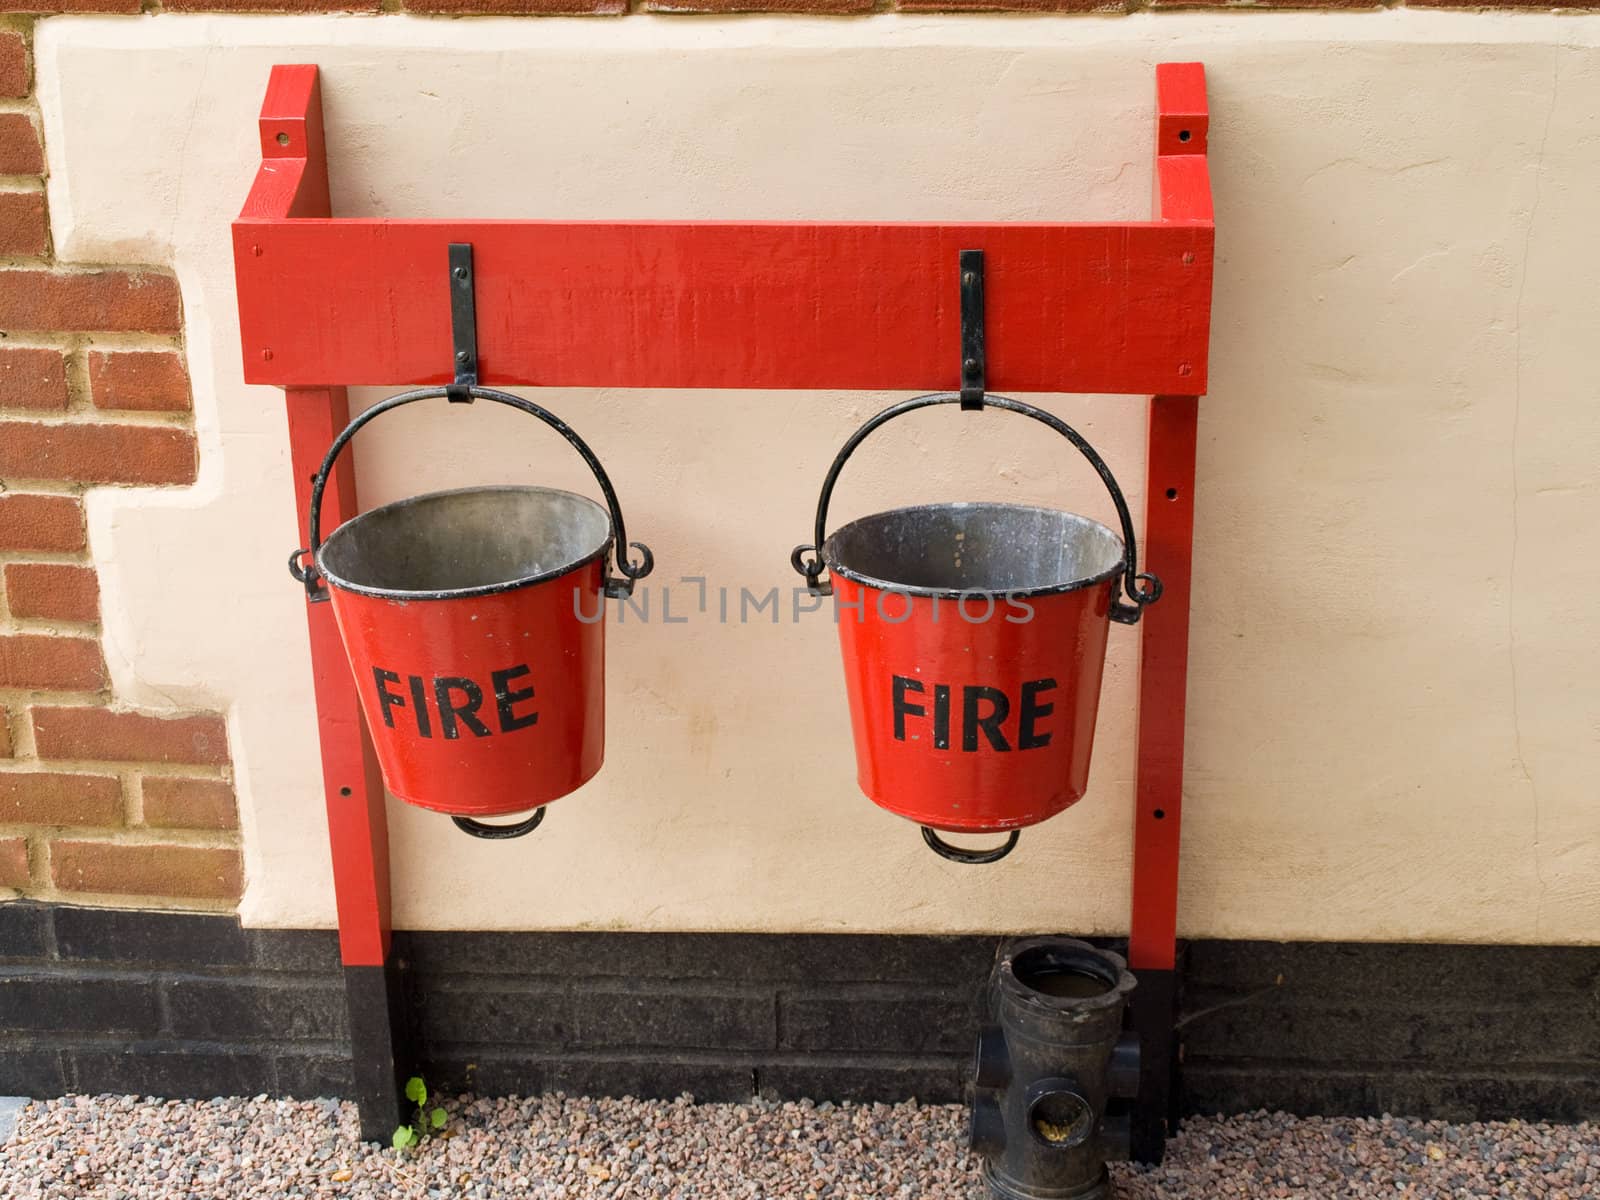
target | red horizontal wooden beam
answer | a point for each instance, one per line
(1116, 307)
(1073, 308)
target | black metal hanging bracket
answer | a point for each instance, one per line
(463, 324)
(973, 364)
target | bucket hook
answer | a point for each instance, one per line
(974, 368)
(463, 324)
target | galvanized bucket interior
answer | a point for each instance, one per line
(947, 549)
(472, 541)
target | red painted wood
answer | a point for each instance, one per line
(276, 188)
(358, 829)
(291, 128)
(1183, 177)
(1083, 308)
(293, 182)
(1181, 109)
(1163, 682)
(292, 107)
(1183, 191)
(1183, 183)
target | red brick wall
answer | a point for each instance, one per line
(98, 802)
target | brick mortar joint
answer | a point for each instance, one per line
(137, 836)
(22, 556)
(45, 832)
(55, 485)
(132, 797)
(55, 489)
(37, 697)
(143, 770)
(97, 267)
(14, 626)
(182, 421)
(99, 341)
(58, 627)
(47, 626)
(47, 893)
(20, 766)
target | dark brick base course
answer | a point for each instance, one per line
(97, 1000)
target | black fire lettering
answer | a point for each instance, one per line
(505, 698)
(903, 707)
(971, 722)
(1028, 737)
(389, 701)
(419, 705)
(450, 712)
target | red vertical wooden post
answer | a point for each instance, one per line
(1183, 192)
(1163, 683)
(293, 182)
(358, 830)
(1158, 794)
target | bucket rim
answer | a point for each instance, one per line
(1005, 970)
(486, 589)
(1054, 589)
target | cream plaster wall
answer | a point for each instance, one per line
(1395, 717)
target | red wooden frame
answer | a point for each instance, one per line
(1122, 307)
(1183, 190)
(1071, 308)
(292, 184)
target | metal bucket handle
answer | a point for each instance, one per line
(302, 563)
(1130, 581)
(1127, 614)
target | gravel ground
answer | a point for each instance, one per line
(121, 1148)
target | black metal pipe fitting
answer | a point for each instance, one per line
(1054, 1071)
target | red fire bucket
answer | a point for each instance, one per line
(474, 624)
(974, 639)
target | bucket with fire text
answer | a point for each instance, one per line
(473, 623)
(974, 639)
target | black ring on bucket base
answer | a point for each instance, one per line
(957, 854)
(499, 833)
